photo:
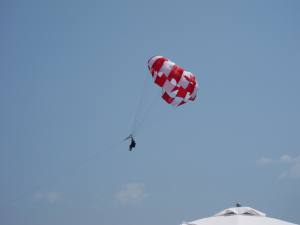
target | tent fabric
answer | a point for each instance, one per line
(238, 216)
(240, 211)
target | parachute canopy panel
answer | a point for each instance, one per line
(178, 85)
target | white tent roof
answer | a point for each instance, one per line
(239, 216)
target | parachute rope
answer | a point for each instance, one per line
(139, 107)
(143, 116)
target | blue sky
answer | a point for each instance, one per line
(71, 77)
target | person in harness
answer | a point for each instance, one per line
(132, 142)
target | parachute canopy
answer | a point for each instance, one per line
(178, 86)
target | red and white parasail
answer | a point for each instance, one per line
(178, 85)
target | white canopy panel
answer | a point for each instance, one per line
(239, 216)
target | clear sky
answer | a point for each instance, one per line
(72, 74)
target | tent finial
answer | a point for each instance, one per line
(238, 205)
